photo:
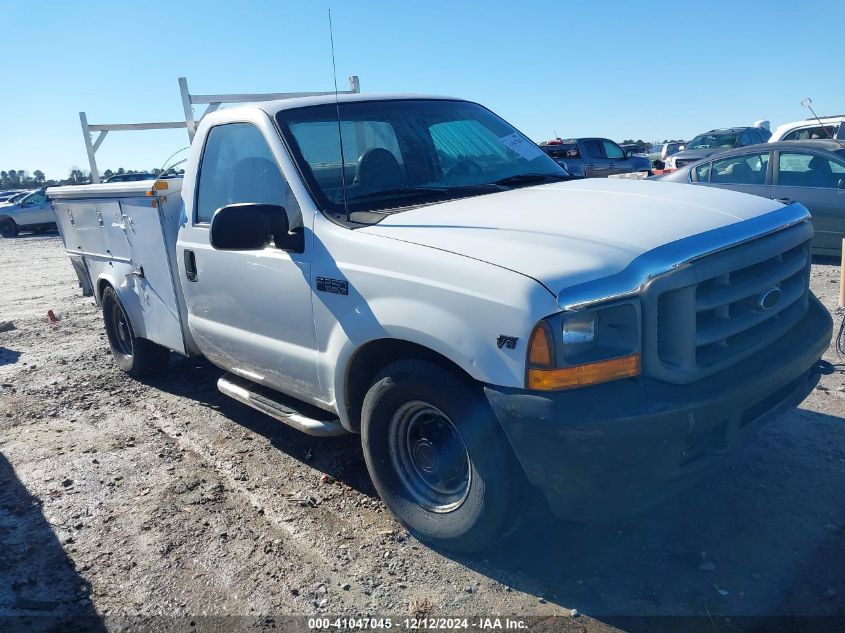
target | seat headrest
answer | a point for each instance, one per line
(256, 179)
(378, 169)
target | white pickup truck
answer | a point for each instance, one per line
(416, 270)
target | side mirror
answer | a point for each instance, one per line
(841, 184)
(249, 226)
(628, 154)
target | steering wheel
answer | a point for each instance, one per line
(466, 167)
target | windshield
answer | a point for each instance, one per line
(713, 140)
(400, 153)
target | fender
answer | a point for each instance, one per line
(115, 276)
(425, 296)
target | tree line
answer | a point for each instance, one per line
(22, 179)
(646, 144)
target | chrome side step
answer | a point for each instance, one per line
(279, 406)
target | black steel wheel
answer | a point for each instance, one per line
(429, 456)
(439, 458)
(134, 355)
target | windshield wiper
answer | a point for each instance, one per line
(401, 191)
(527, 179)
(416, 191)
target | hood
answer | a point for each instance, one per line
(567, 233)
(695, 154)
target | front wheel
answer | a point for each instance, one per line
(134, 355)
(8, 228)
(439, 459)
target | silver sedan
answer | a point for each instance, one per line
(809, 172)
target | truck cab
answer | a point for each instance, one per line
(417, 271)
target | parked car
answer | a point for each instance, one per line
(134, 177)
(661, 151)
(716, 141)
(31, 213)
(810, 129)
(438, 288)
(15, 197)
(809, 172)
(6, 196)
(594, 157)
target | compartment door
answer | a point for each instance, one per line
(151, 279)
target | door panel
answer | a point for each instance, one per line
(35, 210)
(827, 206)
(249, 311)
(812, 179)
(615, 157)
(595, 164)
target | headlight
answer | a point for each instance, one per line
(587, 347)
(579, 332)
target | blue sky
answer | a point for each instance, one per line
(616, 69)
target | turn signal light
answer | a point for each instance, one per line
(583, 375)
(540, 348)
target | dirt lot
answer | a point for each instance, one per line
(122, 498)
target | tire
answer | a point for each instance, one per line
(8, 228)
(134, 355)
(439, 459)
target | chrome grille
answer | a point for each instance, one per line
(713, 314)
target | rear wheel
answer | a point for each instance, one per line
(439, 458)
(136, 356)
(8, 228)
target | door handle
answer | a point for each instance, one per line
(784, 200)
(190, 266)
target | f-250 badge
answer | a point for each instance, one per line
(333, 286)
(506, 342)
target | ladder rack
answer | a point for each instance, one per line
(212, 101)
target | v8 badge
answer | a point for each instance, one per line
(506, 342)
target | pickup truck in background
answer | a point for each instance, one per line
(595, 157)
(415, 270)
(661, 151)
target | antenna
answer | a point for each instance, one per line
(165, 168)
(339, 133)
(807, 104)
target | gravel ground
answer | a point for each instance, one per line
(164, 498)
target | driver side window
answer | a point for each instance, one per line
(238, 166)
(39, 197)
(612, 150)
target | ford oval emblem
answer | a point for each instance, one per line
(768, 299)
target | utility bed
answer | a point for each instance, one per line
(125, 233)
